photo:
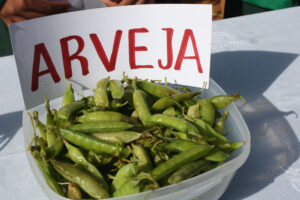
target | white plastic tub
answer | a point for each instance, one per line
(210, 185)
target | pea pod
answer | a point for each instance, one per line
(130, 187)
(77, 157)
(162, 104)
(186, 95)
(194, 111)
(180, 160)
(207, 112)
(177, 145)
(116, 89)
(123, 175)
(140, 105)
(121, 137)
(156, 89)
(188, 137)
(68, 96)
(220, 125)
(85, 181)
(40, 125)
(103, 116)
(93, 127)
(174, 122)
(187, 171)
(91, 143)
(216, 155)
(144, 162)
(101, 97)
(66, 111)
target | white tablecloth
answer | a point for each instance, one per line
(256, 56)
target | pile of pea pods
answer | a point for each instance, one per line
(131, 136)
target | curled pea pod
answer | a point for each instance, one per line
(174, 122)
(74, 192)
(124, 174)
(144, 161)
(180, 160)
(77, 157)
(140, 105)
(187, 171)
(116, 89)
(92, 127)
(68, 110)
(101, 97)
(216, 155)
(207, 131)
(103, 116)
(177, 145)
(121, 137)
(40, 125)
(68, 96)
(156, 89)
(207, 112)
(84, 180)
(220, 125)
(170, 111)
(91, 143)
(48, 178)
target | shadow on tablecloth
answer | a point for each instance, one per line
(10, 123)
(274, 145)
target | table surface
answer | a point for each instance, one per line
(255, 55)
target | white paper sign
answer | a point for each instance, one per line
(147, 41)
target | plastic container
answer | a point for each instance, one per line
(210, 185)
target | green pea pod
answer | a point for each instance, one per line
(124, 174)
(85, 181)
(101, 97)
(66, 111)
(220, 125)
(94, 127)
(207, 112)
(235, 145)
(207, 130)
(52, 135)
(68, 96)
(121, 137)
(170, 111)
(48, 178)
(135, 115)
(140, 105)
(162, 104)
(187, 171)
(103, 116)
(178, 145)
(130, 187)
(116, 89)
(180, 160)
(187, 95)
(156, 89)
(56, 148)
(40, 125)
(49, 118)
(144, 162)
(174, 122)
(216, 155)
(91, 143)
(74, 192)
(220, 101)
(194, 111)
(77, 157)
